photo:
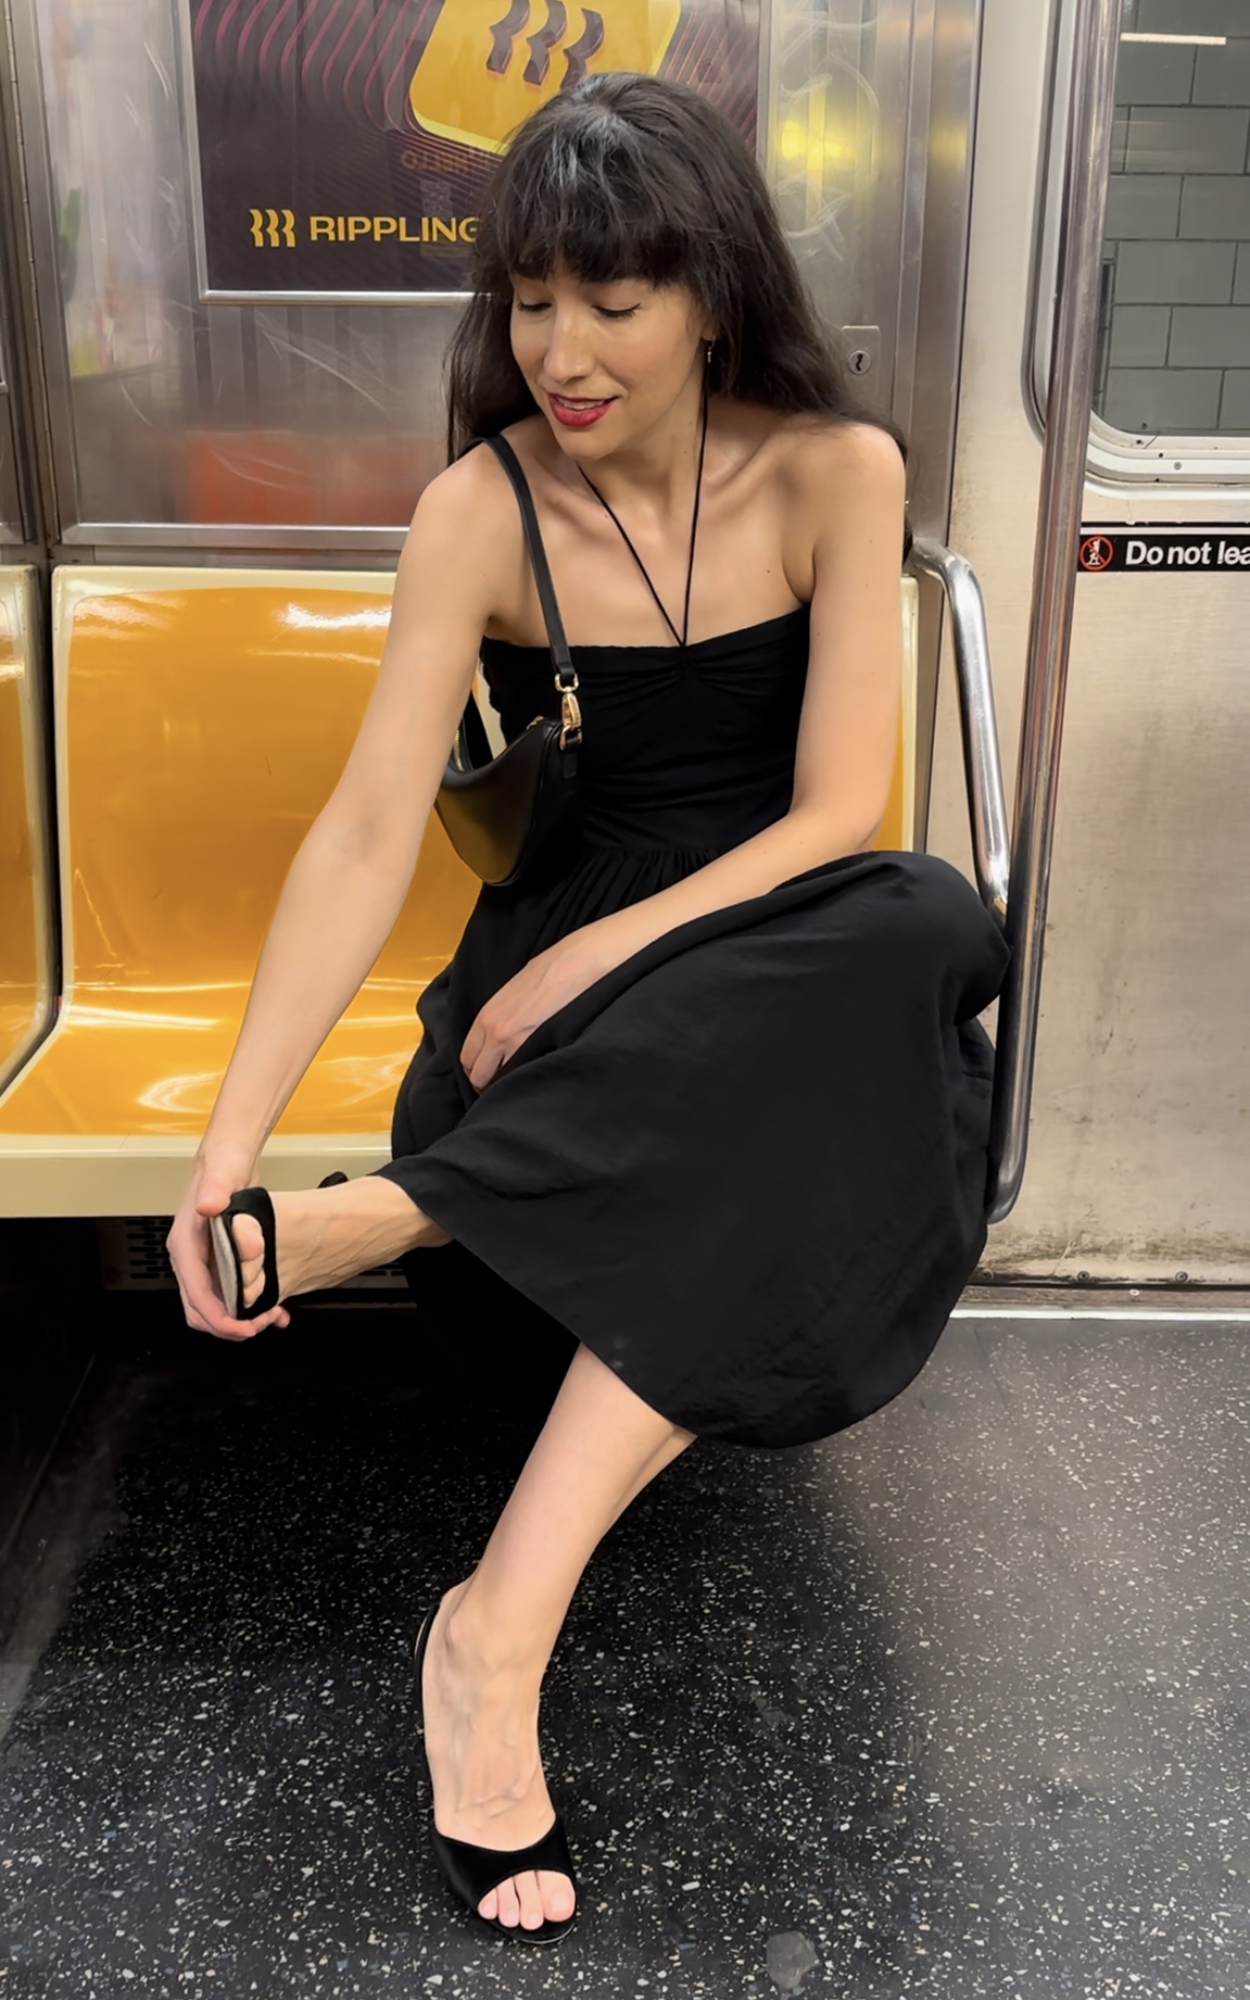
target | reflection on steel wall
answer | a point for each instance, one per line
(181, 421)
(168, 415)
(837, 110)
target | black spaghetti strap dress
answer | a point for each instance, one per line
(747, 1168)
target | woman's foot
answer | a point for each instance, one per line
(327, 1235)
(481, 1739)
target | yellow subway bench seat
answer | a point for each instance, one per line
(203, 717)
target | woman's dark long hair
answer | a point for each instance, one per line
(630, 177)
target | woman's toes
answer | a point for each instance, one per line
(250, 1244)
(530, 1900)
(532, 1911)
(508, 1907)
(557, 1895)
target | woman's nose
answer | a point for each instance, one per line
(568, 357)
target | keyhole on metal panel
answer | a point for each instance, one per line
(860, 361)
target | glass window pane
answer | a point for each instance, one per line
(1175, 335)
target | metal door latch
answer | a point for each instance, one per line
(861, 347)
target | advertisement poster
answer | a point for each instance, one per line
(343, 145)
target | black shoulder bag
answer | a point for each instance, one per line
(500, 813)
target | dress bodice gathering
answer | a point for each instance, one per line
(685, 748)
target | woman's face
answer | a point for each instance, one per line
(607, 364)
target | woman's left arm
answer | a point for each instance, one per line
(850, 490)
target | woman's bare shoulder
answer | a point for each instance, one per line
(833, 483)
(813, 456)
(842, 455)
(463, 552)
(471, 494)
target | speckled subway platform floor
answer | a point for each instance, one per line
(953, 1705)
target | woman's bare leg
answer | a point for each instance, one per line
(494, 1633)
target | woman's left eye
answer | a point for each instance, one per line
(618, 312)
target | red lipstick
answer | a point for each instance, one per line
(578, 416)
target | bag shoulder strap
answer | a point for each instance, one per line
(561, 659)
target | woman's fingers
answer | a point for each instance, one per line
(191, 1257)
(190, 1253)
(475, 1056)
(488, 1046)
(205, 1311)
(187, 1244)
(212, 1196)
(528, 999)
(488, 1063)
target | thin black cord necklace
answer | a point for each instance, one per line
(681, 637)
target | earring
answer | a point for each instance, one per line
(711, 344)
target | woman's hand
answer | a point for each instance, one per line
(215, 1177)
(538, 991)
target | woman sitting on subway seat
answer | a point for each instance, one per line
(703, 1084)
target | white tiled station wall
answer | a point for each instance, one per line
(1176, 356)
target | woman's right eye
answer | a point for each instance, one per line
(530, 305)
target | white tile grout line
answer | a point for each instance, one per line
(1099, 1312)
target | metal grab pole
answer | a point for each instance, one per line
(1090, 118)
(987, 809)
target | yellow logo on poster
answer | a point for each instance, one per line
(489, 63)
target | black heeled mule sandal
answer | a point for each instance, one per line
(256, 1202)
(472, 1872)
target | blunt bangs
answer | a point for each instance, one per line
(586, 201)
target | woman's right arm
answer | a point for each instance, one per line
(349, 879)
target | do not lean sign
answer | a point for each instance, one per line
(1163, 551)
